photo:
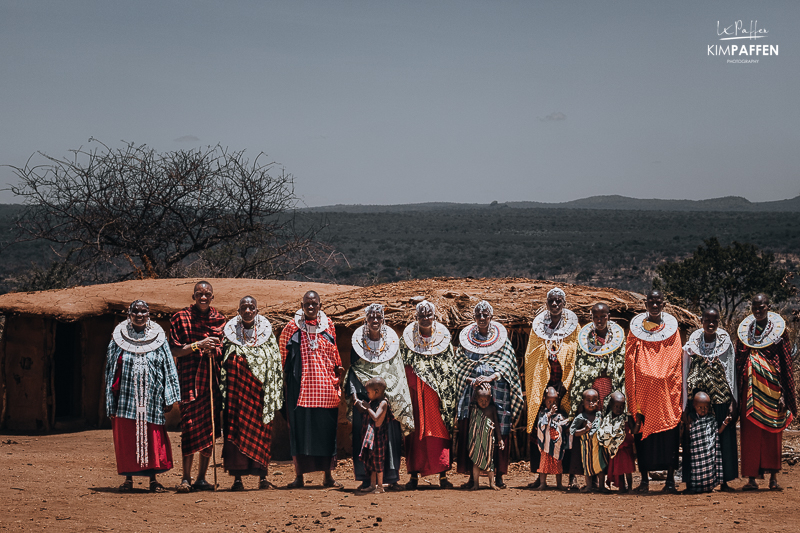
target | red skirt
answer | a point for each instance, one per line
(623, 463)
(760, 449)
(550, 465)
(159, 449)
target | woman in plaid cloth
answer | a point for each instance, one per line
(486, 356)
(251, 381)
(374, 434)
(141, 385)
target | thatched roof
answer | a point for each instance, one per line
(515, 300)
(164, 296)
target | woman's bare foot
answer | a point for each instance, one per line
(378, 489)
(369, 488)
(298, 483)
(475, 486)
(542, 486)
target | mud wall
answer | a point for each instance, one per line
(27, 363)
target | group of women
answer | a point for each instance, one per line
(430, 385)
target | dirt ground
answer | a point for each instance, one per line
(68, 482)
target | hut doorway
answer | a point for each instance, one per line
(67, 371)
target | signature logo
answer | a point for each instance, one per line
(737, 30)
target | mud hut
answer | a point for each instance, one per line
(516, 301)
(52, 353)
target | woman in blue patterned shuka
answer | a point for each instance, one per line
(141, 385)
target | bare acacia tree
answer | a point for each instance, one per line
(134, 212)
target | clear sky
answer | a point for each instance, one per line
(377, 102)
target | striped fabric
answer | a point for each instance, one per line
(593, 455)
(762, 394)
(481, 439)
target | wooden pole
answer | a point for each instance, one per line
(213, 429)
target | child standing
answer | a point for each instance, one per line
(585, 426)
(550, 428)
(484, 432)
(375, 435)
(616, 436)
(705, 458)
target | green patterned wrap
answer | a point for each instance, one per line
(399, 397)
(264, 362)
(438, 371)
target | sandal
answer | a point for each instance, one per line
(773, 485)
(237, 486)
(157, 487)
(413, 484)
(202, 484)
(445, 483)
(750, 486)
(185, 487)
(642, 488)
(395, 487)
(127, 486)
(669, 488)
(332, 483)
(266, 485)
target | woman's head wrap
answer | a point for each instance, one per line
(135, 303)
(483, 305)
(374, 308)
(557, 291)
(425, 305)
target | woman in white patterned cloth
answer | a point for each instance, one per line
(141, 385)
(375, 354)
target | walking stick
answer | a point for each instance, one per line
(213, 429)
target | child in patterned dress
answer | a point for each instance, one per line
(551, 427)
(616, 436)
(585, 425)
(484, 436)
(375, 435)
(704, 456)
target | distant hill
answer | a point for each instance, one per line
(613, 202)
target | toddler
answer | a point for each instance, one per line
(705, 458)
(550, 428)
(484, 432)
(374, 435)
(585, 426)
(616, 437)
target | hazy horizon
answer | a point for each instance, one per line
(384, 103)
